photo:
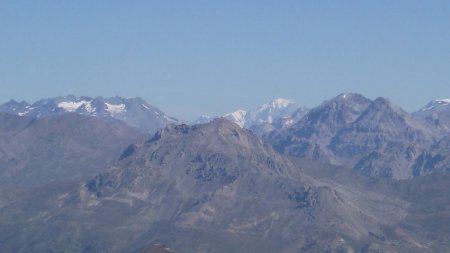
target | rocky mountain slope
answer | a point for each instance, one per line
(207, 188)
(376, 137)
(75, 183)
(434, 159)
(34, 152)
(310, 136)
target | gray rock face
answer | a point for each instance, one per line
(310, 136)
(384, 141)
(133, 111)
(34, 152)
(434, 159)
(14, 107)
(373, 137)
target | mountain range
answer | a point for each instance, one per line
(214, 187)
(351, 175)
(376, 138)
(276, 114)
(133, 111)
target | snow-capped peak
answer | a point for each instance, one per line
(264, 114)
(275, 109)
(276, 104)
(133, 111)
(238, 117)
(445, 100)
(436, 103)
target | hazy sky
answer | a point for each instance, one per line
(210, 57)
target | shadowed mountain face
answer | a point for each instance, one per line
(207, 188)
(434, 159)
(34, 152)
(135, 112)
(427, 222)
(373, 137)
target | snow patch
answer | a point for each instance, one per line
(115, 109)
(89, 108)
(169, 119)
(281, 102)
(237, 117)
(269, 112)
(71, 106)
(436, 103)
(288, 122)
(275, 104)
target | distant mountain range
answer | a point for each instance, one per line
(350, 175)
(376, 138)
(133, 111)
(276, 114)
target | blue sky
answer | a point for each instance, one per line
(210, 57)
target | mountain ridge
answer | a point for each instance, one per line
(216, 188)
(353, 131)
(135, 112)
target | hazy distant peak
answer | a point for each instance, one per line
(136, 112)
(444, 100)
(276, 104)
(203, 119)
(277, 108)
(238, 117)
(436, 104)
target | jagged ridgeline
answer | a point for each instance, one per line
(375, 138)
